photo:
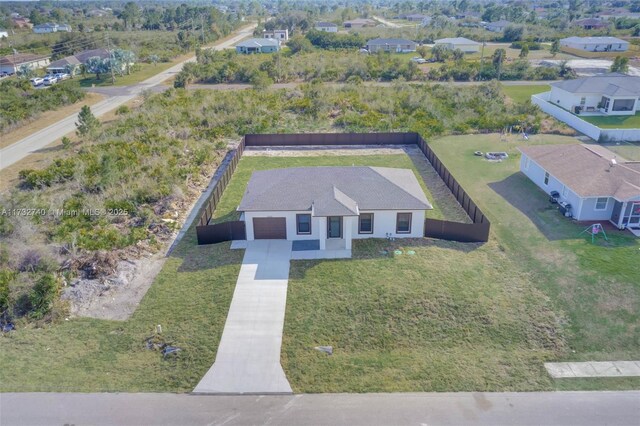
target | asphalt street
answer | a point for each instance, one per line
(494, 409)
(38, 140)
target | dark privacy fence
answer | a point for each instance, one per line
(478, 231)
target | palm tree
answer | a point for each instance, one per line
(25, 71)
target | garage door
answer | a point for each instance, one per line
(269, 228)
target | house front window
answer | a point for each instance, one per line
(546, 178)
(365, 223)
(583, 101)
(403, 223)
(623, 104)
(303, 224)
(601, 203)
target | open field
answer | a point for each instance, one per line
(614, 122)
(522, 94)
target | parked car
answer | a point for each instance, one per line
(50, 79)
(37, 81)
(62, 76)
(418, 60)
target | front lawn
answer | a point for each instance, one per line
(143, 72)
(614, 122)
(468, 317)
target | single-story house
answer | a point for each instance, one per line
(21, 22)
(11, 64)
(64, 65)
(610, 94)
(391, 45)
(414, 17)
(83, 56)
(426, 21)
(282, 35)
(498, 26)
(464, 44)
(328, 27)
(333, 205)
(595, 44)
(359, 23)
(590, 24)
(258, 45)
(596, 184)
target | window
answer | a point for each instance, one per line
(583, 101)
(403, 223)
(303, 223)
(365, 223)
(546, 178)
(601, 203)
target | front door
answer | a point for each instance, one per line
(334, 227)
(634, 216)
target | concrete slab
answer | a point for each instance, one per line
(560, 370)
(238, 244)
(248, 358)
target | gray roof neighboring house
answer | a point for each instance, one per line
(333, 191)
(389, 41)
(501, 23)
(83, 56)
(456, 40)
(22, 58)
(326, 24)
(612, 84)
(259, 42)
(588, 172)
(594, 40)
(62, 63)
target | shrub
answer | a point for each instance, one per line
(6, 277)
(43, 295)
(87, 122)
(122, 109)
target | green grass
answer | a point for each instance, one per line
(627, 150)
(230, 200)
(614, 122)
(522, 94)
(466, 317)
(189, 298)
(145, 71)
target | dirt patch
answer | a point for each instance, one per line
(116, 296)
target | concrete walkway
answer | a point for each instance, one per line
(248, 358)
(563, 370)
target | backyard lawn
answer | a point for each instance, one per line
(522, 94)
(614, 122)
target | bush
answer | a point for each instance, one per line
(43, 295)
(532, 45)
(122, 109)
(6, 277)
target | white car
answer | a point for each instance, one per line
(50, 79)
(37, 81)
(62, 76)
(418, 60)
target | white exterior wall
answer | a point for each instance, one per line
(328, 29)
(10, 68)
(596, 47)
(568, 100)
(467, 48)
(384, 221)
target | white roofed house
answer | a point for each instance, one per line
(328, 207)
(328, 27)
(281, 35)
(595, 44)
(497, 26)
(391, 45)
(258, 45)
(464, 44)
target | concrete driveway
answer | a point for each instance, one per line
(248, 358)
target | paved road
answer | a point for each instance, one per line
(388, 23)
(494, 409)
(48, 135)
(248, 357)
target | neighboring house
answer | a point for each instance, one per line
(598, 186)
(426, 21)
(610, 94)
(10, 64)
(590, 24)
(498, 26)
(81, 58)
(64, 28)
(45, 28)
(391, 45)
(333, 205)
(258, 45)
(359, 23)
(4, 34)
(415, 17)
(464, 44)
(328, 27)
(65, 65)
(595, 44)
(21, 22)
(282, 35)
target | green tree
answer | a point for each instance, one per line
(457, 54)
(66, 142)
(440, 53)
(260, 80)
(6, 277)
(26, 72)
(498, 59)
(130, 15)
(87, 122)
(555, 48)
(620, 64)
(299, 44)
(43, 295)
(513, 33)
(524, 52)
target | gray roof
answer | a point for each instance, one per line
(385, 41)
(258, 42)
(612, 84)
(326, 24)
(62, 63)
(456, 40)
(83, 56)
(591, 40)
(586, 171)
(501, 23)
(333, 191)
